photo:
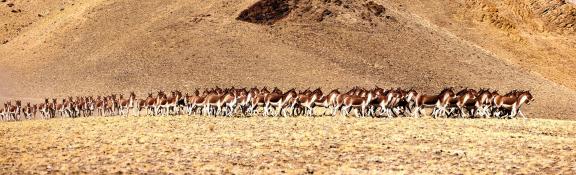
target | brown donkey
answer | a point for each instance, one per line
(194, 102)
(228, 102)
(483, 103)
(212, 103)
(359, 102)
(28, 111)
(273, 100)
(512, 102)
(150, 104)
(458, 102)
(438, 102)
(307, 99)
(44, 109)
(258, 99)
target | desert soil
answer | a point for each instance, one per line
(63, 48)
(301, 145)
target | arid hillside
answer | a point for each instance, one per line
(84, 47)
(539, 35)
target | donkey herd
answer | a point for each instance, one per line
(376, 102)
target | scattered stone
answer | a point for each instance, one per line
(458, 153)
(140, 140)
(266, 11)
(325, 13)
(309, 170)
(375, 8)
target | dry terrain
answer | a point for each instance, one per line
(538, 35)
(62, 48)
(92, 47)
(288, 145)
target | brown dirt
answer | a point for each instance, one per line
(538, 35)
(101, 47)
(16, 16)
(325, 145)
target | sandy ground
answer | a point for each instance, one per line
(288, 145)
(96, 47)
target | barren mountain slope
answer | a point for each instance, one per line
(539, 35)
(112, 46)
(17, 15)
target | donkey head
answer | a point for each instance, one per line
(411, 95)
(528, 96)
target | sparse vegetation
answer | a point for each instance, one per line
(287, 145)
(95, 47)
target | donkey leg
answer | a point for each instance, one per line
(434, 112)
(513, 112)
(522, 114)
(276, 112)
(386, 111)
(265, 112)
(233, 110)
(333, 110)
(462, 113)
(420, 111)
(207, 110)
(284, 112)
(486, 112)
(311, 109)
(445, 113)
(343, 111)
(394, 112)
(477, 112)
